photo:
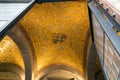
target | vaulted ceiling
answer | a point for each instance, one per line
(59, 32)
(10, 53)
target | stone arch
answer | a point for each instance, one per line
(12, 68)
(91, 61)
(57, 67)
(22, 40)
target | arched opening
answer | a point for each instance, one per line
(59, 72)
(10, 71)
(11, 61)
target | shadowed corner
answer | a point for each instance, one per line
(47, 1)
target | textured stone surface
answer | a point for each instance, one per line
(59, 32)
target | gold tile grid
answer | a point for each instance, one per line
(10, 53)
(58, 31)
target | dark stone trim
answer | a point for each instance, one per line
(91, 63)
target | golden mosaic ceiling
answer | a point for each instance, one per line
(10, 53)
(59, 32)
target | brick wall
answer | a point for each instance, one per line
(108, 54)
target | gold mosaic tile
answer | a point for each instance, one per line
(58, 31)
(10, 53)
